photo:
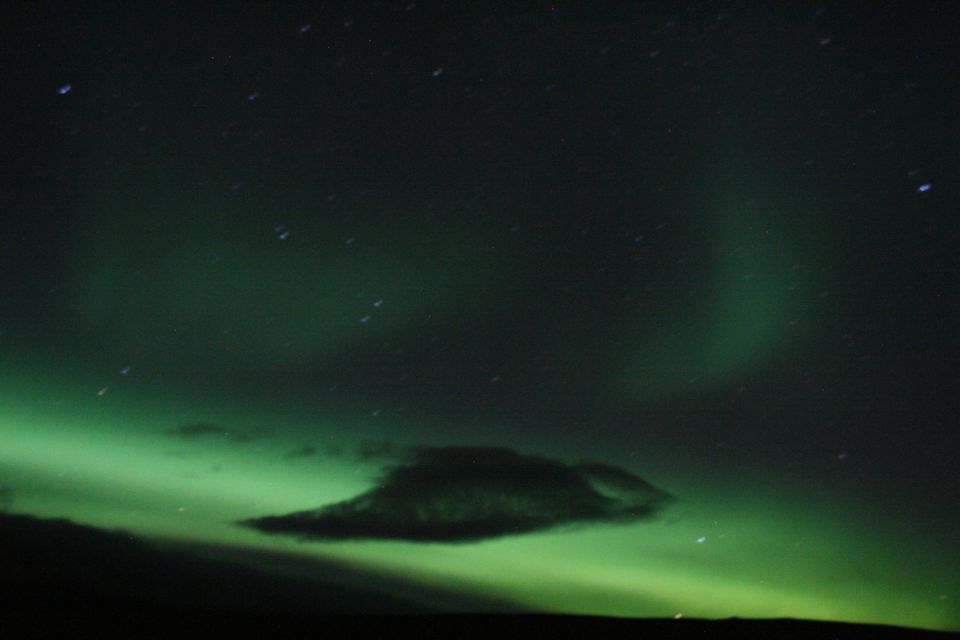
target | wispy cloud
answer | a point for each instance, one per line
(213, 431)
(302, 452)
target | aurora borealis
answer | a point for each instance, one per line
(624, 311)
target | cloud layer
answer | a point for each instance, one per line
(464, 494)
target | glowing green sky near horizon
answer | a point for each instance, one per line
(239, 294)
(766, 552)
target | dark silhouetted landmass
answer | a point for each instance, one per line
(56, 565)
(62, 579)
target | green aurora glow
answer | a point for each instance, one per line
(745, 299)
(104, 459)
(767, 553)
(202, 275)
(580, 249)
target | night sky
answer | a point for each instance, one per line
(608, 308)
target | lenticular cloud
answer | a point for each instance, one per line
(465, 494)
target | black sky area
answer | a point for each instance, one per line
(562, 117)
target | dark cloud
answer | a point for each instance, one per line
(370, 450)
(302, 452)
(379, 450)
(334, 450)
(462, 494)
(198, 430)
